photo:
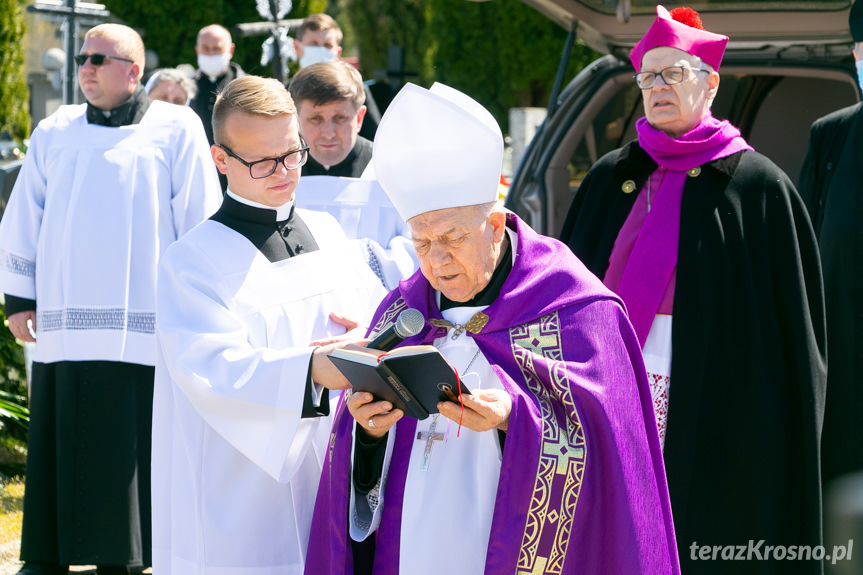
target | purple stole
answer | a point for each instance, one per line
(641, 276)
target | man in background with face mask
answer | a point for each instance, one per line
(215, 71)
(319, 39)
(830, 184)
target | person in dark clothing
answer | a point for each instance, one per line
(716, 260)
(319, 39)
(830, 185)
(330, 102)
(215, 71)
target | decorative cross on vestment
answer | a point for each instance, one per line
(430, 436)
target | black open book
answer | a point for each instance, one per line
(413, 378)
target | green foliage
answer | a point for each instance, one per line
(170, 27)
(14, 95)
(379, 24)
(14, 414)
(502, 53)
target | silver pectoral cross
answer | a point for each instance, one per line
(430, 437)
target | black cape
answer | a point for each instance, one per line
(831, 184)
(748, 337)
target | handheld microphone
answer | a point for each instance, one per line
(409, 323)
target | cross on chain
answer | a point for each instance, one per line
(430, 436)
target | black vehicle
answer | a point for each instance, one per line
(786, 65)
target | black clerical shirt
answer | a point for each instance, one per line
(351, 167)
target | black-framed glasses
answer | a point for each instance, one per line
(98, 59)
(671, 76)
(261, 169)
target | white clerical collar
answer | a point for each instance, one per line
(283, 212)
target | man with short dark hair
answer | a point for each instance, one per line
(105, 187)
(329, 98)
(330, 102)
(319, 39)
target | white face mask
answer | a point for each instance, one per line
(214, 65)
(314, 54)
(860, 73)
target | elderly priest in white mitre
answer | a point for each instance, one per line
(554, 463)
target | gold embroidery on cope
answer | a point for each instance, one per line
(563, 453)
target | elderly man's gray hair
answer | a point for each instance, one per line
(172, 75)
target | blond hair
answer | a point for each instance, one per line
(251, 95)
(127, 42)
(327, 82)
(319, 23)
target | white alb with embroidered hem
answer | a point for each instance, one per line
(92, 212)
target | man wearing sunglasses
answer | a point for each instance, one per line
(241, 412)
(105, 187)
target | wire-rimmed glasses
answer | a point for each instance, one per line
(671, 76)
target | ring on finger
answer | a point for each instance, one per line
(372, 423)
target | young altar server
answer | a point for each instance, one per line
(241, 404)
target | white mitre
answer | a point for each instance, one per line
(437, 149)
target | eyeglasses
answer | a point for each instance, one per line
(98, 59)
(671, 76)
(264, 168)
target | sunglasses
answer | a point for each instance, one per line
(98, 59)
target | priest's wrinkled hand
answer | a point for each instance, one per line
(354, 332)
(325, 373)
(18, 325)
(483, 410)
(375, 417)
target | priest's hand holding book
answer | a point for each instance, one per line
(415, 381)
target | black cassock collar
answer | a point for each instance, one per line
(126, 114)
(277, 240)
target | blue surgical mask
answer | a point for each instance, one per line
(314, 54)
(860, 73)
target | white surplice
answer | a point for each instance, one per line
(235, 467)
(462, 473)
(92, 212)
(368, 216)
